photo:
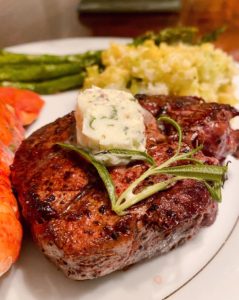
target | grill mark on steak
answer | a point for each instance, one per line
(68, 209)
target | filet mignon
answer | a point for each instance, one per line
(69, 213)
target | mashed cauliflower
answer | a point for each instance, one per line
(179, 69)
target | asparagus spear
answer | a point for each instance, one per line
(187, 35)
(38, 72)
(49, 86)
(86, 59)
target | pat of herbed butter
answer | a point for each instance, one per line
(107, 118)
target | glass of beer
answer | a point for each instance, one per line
(213, 14)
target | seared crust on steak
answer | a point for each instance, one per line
(202, 123)
(68, 209)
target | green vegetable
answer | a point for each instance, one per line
(86, 59)
(213, 36)
(212, 176)
(169, 35)
(49, 86)
(174, 35)
(38, 72)
(34, 71)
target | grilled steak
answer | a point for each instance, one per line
(202, 123)
(68, 209)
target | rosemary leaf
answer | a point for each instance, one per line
(204, 172)
(125, 154)
(215, 190)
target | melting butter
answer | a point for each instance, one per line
(108, 118)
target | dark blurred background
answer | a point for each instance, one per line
(32, 20)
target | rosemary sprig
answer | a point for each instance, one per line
(212, 176)
(101, 169)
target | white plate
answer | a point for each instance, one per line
(207, 267)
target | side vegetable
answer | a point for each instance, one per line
(47, 74)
